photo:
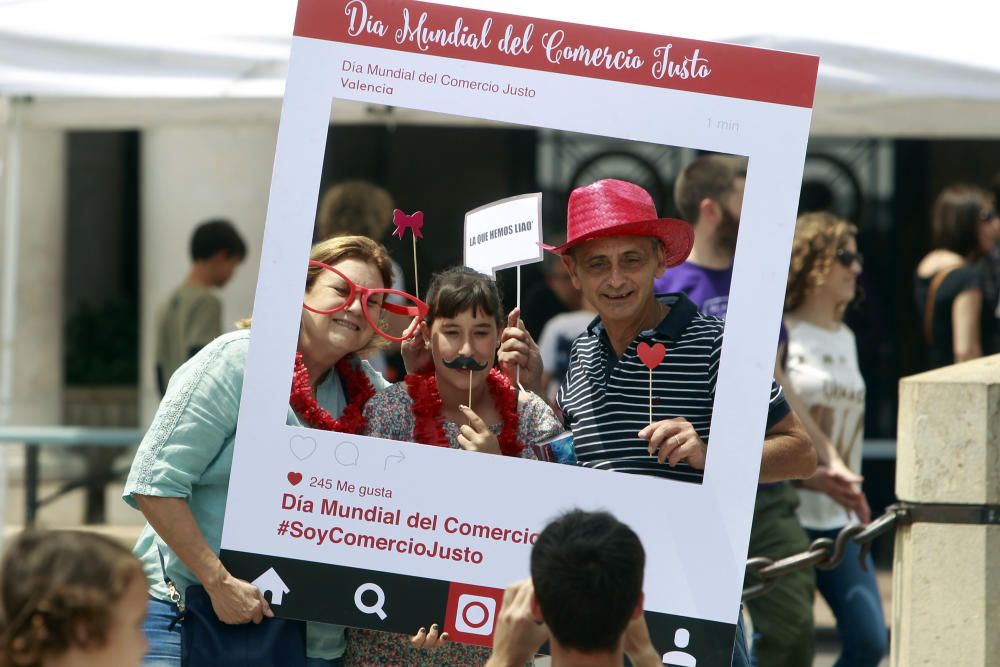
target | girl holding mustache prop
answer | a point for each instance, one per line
(462, 332)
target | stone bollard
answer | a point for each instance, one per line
(946, 576)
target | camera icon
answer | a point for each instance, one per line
(475, 614)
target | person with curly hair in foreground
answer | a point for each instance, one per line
(71, 598)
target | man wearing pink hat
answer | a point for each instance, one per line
(616, 248)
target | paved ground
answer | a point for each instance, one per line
(124, 523)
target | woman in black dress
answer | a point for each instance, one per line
(957, 319)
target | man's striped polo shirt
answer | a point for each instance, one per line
(605, 400)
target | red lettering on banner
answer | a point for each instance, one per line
(516, 45)
(459, 35)
(565, 48)
(692, 67)
(359, 21)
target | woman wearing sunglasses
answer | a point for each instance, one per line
(822, 368)
(180, 475)
(462, 403)
(957, 319)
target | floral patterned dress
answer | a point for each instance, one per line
(390, 416)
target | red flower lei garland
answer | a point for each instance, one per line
(428, 427)
(357, 388)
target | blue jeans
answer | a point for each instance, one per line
(853, 596)
(165, 645)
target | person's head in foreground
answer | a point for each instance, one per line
(584, 596)
(71, 598)
(217, 249)
(347, 284)
(616, 246)
(587, 570)
(825, 264)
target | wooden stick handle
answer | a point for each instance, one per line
(650, 395)
(416, 281)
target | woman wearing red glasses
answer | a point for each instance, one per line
(180, 475)
(957, 319)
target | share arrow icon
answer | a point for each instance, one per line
(398, 457)
(270, 581)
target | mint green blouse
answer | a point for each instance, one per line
(188, 452)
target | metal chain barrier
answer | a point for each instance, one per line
(823, 553)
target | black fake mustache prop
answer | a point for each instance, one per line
(464, 363)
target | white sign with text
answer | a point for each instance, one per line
(503, 234)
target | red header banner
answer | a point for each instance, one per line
(564, 48)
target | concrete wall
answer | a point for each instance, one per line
(190, 173)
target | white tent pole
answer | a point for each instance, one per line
(11, 172)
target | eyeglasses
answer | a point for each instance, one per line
(333, 298)
(847, 258)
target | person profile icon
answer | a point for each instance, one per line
(680, 658)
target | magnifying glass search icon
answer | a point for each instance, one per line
(370, 608)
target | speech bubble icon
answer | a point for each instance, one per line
(346, 454)
(302, 446)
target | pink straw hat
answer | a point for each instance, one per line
(610, 207)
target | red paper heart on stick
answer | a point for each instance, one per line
(294, 478)
(651, 355)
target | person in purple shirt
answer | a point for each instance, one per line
(708, 288)
(709, 195)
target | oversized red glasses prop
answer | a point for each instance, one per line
(326, 299)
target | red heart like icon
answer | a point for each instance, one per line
(651, 355)
(294, 478)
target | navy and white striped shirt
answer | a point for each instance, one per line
(605, 400)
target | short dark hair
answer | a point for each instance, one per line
(459, 289)
(587, 570)
(708, 177)
(955, 219)
(212, 236)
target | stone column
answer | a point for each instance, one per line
(31, 273)
(946, 577)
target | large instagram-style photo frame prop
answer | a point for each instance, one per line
(392, 536)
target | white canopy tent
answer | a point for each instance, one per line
(887, 69)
